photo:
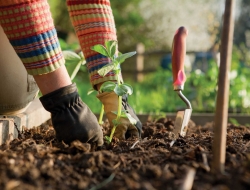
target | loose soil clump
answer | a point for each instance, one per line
(36, 160)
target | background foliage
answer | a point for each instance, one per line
(153, 23)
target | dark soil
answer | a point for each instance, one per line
(38, 161)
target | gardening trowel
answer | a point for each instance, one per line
(179, 78)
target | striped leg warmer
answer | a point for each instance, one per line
(30, 29)
(94, 24)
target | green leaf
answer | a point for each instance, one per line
(90, 91)
(81, 55)
(121, 58)
(83, 69)
(77, 68)
(83, 62)
(123, 114)
(111, 47)
(73, 62)
(70, 67)
(122, 89)
(71, 56)
(108, 86)
(106, 69)
(100, 49)
(127, 88)
(119, 91)
(117, 67)
(108, 139)
(115, 122)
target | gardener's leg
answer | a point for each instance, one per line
(17, 88)
(30, 29)
(94, 24)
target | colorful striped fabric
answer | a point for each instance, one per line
(30, 29)
(94, 24)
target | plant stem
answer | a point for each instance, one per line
(119, 110)
(112, 133)
(101, 115)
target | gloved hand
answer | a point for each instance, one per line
(125, 129)
(71, 118)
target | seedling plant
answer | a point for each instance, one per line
(74, 62)
(120, 88)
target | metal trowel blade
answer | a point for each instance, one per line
(181, 123)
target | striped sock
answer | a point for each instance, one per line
(94, 24)
(30, 29)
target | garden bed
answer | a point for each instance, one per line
(36, 160)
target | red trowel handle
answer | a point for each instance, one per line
(178, 58)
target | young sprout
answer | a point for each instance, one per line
(75, 61)
(109, 50)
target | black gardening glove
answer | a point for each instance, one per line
(71, 118)
(125, 129)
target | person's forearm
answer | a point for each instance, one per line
(52, 81)
(30, 30)
(94, 24)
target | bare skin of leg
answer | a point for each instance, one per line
(52, 81)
